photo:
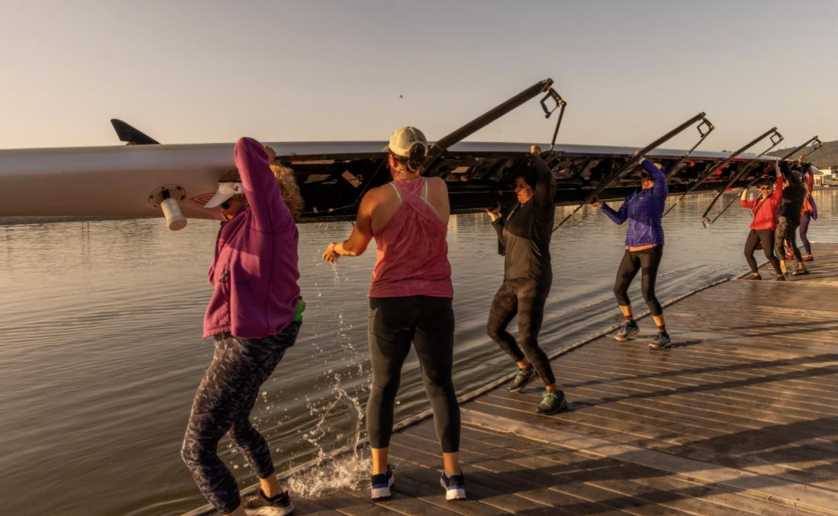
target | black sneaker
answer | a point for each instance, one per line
(628, 329)
(382, 483)
(661, 341)
(754, 277)
(780, 278)
(455, 486)
(522, 378)
(259, 504)
(552, 402)
(800, 272)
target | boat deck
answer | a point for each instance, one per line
(740, 417)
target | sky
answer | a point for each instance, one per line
(319, 70)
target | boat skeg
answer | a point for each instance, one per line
(131, 135)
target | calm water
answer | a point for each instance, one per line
(101, 353)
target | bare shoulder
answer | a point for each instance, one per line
(380, 196)
(377, 194)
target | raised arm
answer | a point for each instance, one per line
(617, 216)
(778, 185)
(744, 202)
(544, 195)
(661, 189)
(810, 181)
(263, 195)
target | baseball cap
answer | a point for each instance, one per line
(225, 191)
(403, 139)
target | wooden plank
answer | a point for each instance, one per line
(572, 462)
(672, 438)
(772, 435)
(613, 479)
(792, 495)
(491, 488)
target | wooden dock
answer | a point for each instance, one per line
(740, 417)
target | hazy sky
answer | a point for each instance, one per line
(210, 71)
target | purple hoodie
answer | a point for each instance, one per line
(644, 210)
(255, 267)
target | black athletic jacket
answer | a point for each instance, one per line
(524, 232)
(793, 197)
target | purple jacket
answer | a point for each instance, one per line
(255, 267)
(644, 210)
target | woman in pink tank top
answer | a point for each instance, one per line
(410, 302)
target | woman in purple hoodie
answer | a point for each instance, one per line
(253, 317)
(643, 208)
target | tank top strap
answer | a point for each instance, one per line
(424, 198)
(398, 193)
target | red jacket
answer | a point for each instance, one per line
(765, 212)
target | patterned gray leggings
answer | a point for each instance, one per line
(222, 404)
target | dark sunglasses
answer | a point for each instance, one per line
(225, 205)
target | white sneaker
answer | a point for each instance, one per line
(382, 483)
(455, 486)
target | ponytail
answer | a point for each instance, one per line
(415, 161)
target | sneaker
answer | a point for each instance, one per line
(789, 256)
(800, 272)
(753, 277)
(780, 278)
(522, 378)
(661, 341)
(382, 483)
(627, 330)
(455, 486)
(259, 504)
(808, 258)
(552, 402)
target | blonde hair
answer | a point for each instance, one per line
(286, 182)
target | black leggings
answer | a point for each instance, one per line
(222, 404)
(766, 236)
(522, 297)
(427, 322)
(804, 229)
(647, 261)
(786, 231)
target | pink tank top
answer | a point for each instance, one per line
(412, 255)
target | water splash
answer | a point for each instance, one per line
(347, 470)
(335, 271)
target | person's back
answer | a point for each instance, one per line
(794, 195)
(409, 223)
(410, 302)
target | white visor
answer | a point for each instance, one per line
(225, 191)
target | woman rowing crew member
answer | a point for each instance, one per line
(254, 315)
(410, 301)
(764, 211)
(791, 205)
(644, 248)
(809, 211)
(524, 241)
